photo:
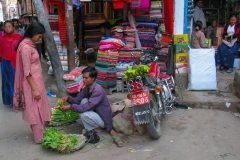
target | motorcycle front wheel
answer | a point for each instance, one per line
(154, 127)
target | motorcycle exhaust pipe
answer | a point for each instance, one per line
(169, 109)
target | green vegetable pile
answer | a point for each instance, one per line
(59, 105)
(60, 118)
(140, 70)
(61, 143)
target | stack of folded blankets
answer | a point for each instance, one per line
(62, 51)
(110, 44)
(106, 77)
(74, 80)
(156, 10)
(117, 32)
(126, 59)
(106, 67)
(107, 58)
(129, 37)
(126, 33)
(122, 66)
(146, 33)
(53, 22)
(129, 55)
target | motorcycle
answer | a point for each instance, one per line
(151, 96)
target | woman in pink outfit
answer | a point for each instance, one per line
(29, 89)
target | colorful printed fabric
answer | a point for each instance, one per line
(75, 89)
(80, 78)
(106, 84)
(73, 75)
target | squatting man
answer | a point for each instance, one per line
(93, 106)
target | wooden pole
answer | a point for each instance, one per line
(32, 10)
(70, 34)
(51, 48)
(78, 11)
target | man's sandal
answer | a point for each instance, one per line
(118, 141)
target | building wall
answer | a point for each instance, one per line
(178, 16)
(1, 12)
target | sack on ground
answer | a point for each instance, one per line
(202, 69)
(122, 123)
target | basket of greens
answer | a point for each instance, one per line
(62, 143)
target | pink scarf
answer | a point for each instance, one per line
(18, 99)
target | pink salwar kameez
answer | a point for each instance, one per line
(34, 112)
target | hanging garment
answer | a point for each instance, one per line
(62, 23)
(46, 7)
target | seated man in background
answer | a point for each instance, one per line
(93, 105)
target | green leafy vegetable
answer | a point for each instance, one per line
(60, 118)
(64, 117)
(136, 71)
(59, 105)
(62, 143)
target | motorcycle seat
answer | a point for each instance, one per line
(165, 76)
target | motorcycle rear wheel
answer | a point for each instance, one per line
(154, 127)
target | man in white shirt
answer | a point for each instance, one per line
(198, 14)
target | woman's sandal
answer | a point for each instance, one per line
(118, 141)
(230, 70)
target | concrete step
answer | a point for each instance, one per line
(224, 98)
(208, 99)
